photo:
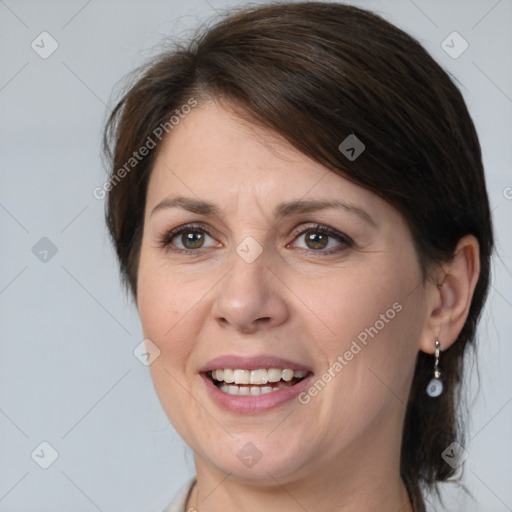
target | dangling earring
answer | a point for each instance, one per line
(435, 386)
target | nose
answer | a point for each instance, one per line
(250, 297)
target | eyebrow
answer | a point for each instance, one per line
(282, 210)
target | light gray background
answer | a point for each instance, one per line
(68, 375)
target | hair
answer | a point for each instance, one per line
(315, 73)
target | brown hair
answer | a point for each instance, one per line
(315, 73)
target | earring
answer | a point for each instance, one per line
(435, 386)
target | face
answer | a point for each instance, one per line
(263, 264)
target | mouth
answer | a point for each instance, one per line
(261, 381)
(252, 384)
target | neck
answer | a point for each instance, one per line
(370, 498)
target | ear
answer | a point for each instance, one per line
(449, 296)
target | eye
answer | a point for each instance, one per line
(318, 238)
(187, 239)
(322, 239)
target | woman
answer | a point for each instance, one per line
(299, 209)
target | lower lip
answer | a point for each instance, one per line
(253, 404)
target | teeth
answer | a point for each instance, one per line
(242, 376)
(248, 390)
(257, 377)
(253, 382)
(287, 375)
(274, 374)
(229, 376)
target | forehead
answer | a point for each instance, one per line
(214, 154)
(212, 138)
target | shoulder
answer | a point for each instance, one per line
(180, 500)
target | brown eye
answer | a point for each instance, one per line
(322, 239)
(192, 239)
(188, 239)
(315, 240)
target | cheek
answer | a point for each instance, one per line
(167, 301)
(374, 319)
(169, 312)
(363, 304)
(371, 357)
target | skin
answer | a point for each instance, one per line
(341, 450)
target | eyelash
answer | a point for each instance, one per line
(345, 240)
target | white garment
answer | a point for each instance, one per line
(179, 503)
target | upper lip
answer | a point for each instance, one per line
(252, 363)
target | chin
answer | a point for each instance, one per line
(258, 459)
